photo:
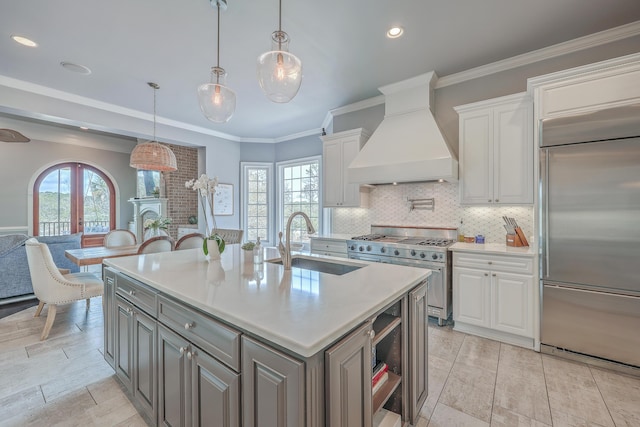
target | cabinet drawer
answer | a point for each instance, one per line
(212, 336)
(139, 294)
(326, 245)
(505, 263)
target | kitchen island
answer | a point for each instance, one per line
(226, 342)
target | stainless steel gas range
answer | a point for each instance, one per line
(423, 247)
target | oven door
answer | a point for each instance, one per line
(436, 283)
(370, 258)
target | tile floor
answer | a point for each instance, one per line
(473, 381)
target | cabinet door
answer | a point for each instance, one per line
(476, 178)
(348, 380)
(215, 392)
(144, 362)
(108, 310)
(513, 153)
(351, 192)
(511, 303)
(418, 342)
(471, 296)
(174, 379)
(332, 173)
(272, 387)
(124, 342)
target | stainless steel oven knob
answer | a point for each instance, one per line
(383, 250)
(422, 255)
(413, 252)
(396, 252)
(353, 247)
(361, 248)
(434, 256)
(369, 248)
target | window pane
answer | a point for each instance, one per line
(300, 192)
(96, 203)
(257, 221)
(54, 199)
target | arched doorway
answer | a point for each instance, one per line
(74, 197)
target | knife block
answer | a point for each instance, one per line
(518, 239)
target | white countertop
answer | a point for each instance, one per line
(494, 248)
(301, 310)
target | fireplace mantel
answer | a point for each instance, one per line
(152, 206)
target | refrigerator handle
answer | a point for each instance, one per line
(544, 159)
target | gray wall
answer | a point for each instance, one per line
(492, 86)
(223, 161)
(257, 152)
(287, 150)
(21, 163)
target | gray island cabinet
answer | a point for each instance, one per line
(225, 343)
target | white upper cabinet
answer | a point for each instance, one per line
(496, 151)
(338, 150)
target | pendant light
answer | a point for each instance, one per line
(217, 101)
(151, 155)
(279, 72)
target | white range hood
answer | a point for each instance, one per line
(408, 146)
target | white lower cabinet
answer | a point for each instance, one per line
(491, 300)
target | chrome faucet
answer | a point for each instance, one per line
(285, 251)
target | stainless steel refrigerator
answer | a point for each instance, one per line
(590, 237)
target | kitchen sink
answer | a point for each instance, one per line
(320, 266)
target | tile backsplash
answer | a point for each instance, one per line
(388, 205)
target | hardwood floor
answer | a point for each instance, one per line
(64, 381)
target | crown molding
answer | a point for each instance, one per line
(592, 40)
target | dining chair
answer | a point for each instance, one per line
(156, 244)
(54, 286)
(150, 233)
(119, 237)
(190, 241)
(230, 236)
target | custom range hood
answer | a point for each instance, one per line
(408, 146)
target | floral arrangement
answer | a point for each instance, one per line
(157, 223)
(206, 188)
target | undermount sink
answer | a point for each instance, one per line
(320, 266)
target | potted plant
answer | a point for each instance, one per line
(214, 244)
(154, 225)
(247, 251)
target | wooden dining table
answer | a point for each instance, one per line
(95, 255)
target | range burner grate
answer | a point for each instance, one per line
(369, 237)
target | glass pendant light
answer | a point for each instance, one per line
(150, 155)
(217, 101)
(279, 72)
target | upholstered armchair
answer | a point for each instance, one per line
(53, 287)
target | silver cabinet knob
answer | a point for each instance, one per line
(489, 262)
(182, 350)
(188, 325)
(494, 274)
(486, 274)
(489, 200)
(132, 292)
(189, 355)
(497, 200)
(372, 334)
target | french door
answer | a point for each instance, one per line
(71, 198)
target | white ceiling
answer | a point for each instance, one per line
(341, 43)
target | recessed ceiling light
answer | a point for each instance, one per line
(84, 128)
(395, 32)
(24, 41)
(76, 68)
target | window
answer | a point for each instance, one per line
(257, 191)
(74, 197)
(299, 190)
